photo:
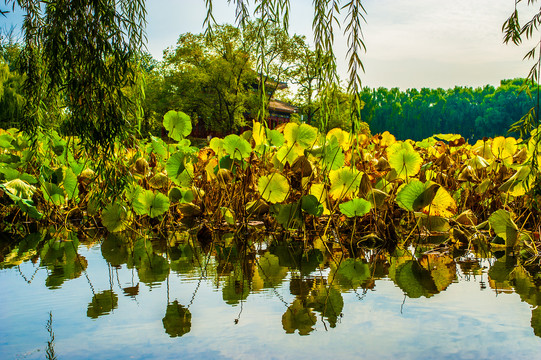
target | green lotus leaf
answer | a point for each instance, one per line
(157, 146)
(275, 137)
(217, 145)
(405, 161)
(352, 273)
(414, 280)
(311, 205)
(178, 124)
(289, 154)
(303, 135)
(228, 215)
(235, 290)
(504, 227)
(181, 195)
(53, 193)
(70, 183)
(28, 207)
(355, 207)
(288, 215)
(344, 182)
(151, 203)
(448, 137)
(270, 270)
(237, 147)
(273, 188)
(6, 141)
(115, 217)
(416, 195)
(8, 173)
(179, 170)
(153, 269)
(328, 301)
(333, 157)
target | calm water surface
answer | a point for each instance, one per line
(139, 299)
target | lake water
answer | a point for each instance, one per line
(129, 298)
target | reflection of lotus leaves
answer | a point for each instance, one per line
(300, 287)
(536, 321)
(142, 249)
(329, 302)
(61, 257)
(177, 320)
(102, 303)
(114, 250)
(525, 287)
(153, 269)
(352, 273)
(499, 272)
(298, 317)
(293, 256)
(442, 269)
(182, 259)
(270, 270)
(414, 280)
(235, 290)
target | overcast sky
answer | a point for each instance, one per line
(410, 43)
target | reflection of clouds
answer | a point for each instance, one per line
(460, 322)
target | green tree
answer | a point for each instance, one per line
(81, 55)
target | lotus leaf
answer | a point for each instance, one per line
(344, 182)
(237, 147)
(178, 124)
(53, 194)
(19, 189)
(404, 160)
(151, 203)
(274, 188)
(304, 135)
(355, 207)
(115, 217)
(311, 205)
(504, 227)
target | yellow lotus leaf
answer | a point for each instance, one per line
(304, 135)
(258, 133)
(344, 182)
(504, 148)
(209, 169)
(387, 139)
(483, 149)
(341, 136)
(289, 154)
(442, 204)
(319, 191)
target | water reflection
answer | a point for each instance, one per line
(316, 278)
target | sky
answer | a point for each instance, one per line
(410, 44)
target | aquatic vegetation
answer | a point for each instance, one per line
(344, 188)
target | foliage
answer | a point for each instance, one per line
(474, 113)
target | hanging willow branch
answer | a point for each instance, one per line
(82, 55)
(326, 20)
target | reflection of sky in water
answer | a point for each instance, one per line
(462, 322)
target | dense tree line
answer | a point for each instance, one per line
(472, 112)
